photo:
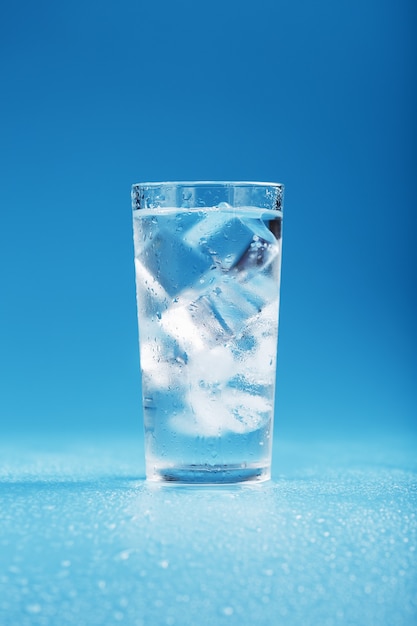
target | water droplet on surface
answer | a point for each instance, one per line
(228, 610)
(118, 616)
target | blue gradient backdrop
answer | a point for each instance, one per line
(318, 95)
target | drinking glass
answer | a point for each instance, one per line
(207, 260)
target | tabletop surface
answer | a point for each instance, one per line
(85, 541)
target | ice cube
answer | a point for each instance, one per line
(260, 288)
(250, 412)
(196, 325)
(211, 367)
(178, 323)
(261, 358)
(203, 417)
(217, 412)
(219, 316)
(152, 298)
(248, 275)
(207, 374)
(173, 262)
(262, 250)
(222, 236)
(212, 222)
(259, 229)
(230, 305)
(214, 406)
(218, 400)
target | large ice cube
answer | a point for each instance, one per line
(228, 305)
(231, 306)
(219, 316)
(250, 411)
(208, 321)
(261, 288)
(211, 368)
(215, 412)
(248, 276)
(262, 250)
(260, 360)
(152, 298)
(228, 239)
(178, 323)
(215, 406)
(171, 260)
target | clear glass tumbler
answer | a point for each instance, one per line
(208, 259)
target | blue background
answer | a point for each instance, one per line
(98, 95)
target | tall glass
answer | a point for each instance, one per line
(208, 259)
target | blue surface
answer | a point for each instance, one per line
(85, 541)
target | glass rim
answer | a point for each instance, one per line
(209, 183)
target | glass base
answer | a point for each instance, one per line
(209, 474)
